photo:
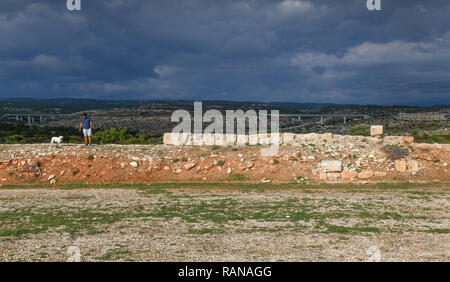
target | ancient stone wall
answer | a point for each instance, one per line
(187, 139)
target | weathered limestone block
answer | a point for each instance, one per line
(208, 139)
(379, 174)
(376, 130)
(365, 174)
(331, 166)
(400, 165)
(333, 175)
(171, 139)
(188, 166)
(197, 139)
(413, 166)
(219, 139)
(167, 139)
(264, 139)
(253, 139)
(185, 139)
(349, 175)
(241, 140)
(275, 138)
(230, 139)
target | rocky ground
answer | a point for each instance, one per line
(322, 198)
(238, 223)
(331, 159)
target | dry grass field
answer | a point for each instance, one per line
(226, 222)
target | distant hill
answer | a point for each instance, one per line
(72, 105)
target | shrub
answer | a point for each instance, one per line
(123, 136)
(359, 129)
(435, 138)
(16, 139)
(112, 135)
(395, 152)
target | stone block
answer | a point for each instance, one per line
(253, 139)
(400, 165)
(376, 130)
(230, 139)
(219, 139)
(380, 174)
(185, 139)
(172, 139)
(168, 139)
(365, 174)
(413, 166)
(349, 175)
(197, 139)
(264, 139)
(208, 139)
(241, 140)
(331, 166)
(333, 175)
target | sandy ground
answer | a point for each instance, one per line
(225, 225)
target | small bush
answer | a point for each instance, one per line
(123, 136)
(16, 139)
(359, 130)
(395, 152)
(220, 163)
(426, 138)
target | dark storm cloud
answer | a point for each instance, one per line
(266, 50)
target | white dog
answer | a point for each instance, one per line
(57, 140)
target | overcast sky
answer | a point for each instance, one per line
(245, 50)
